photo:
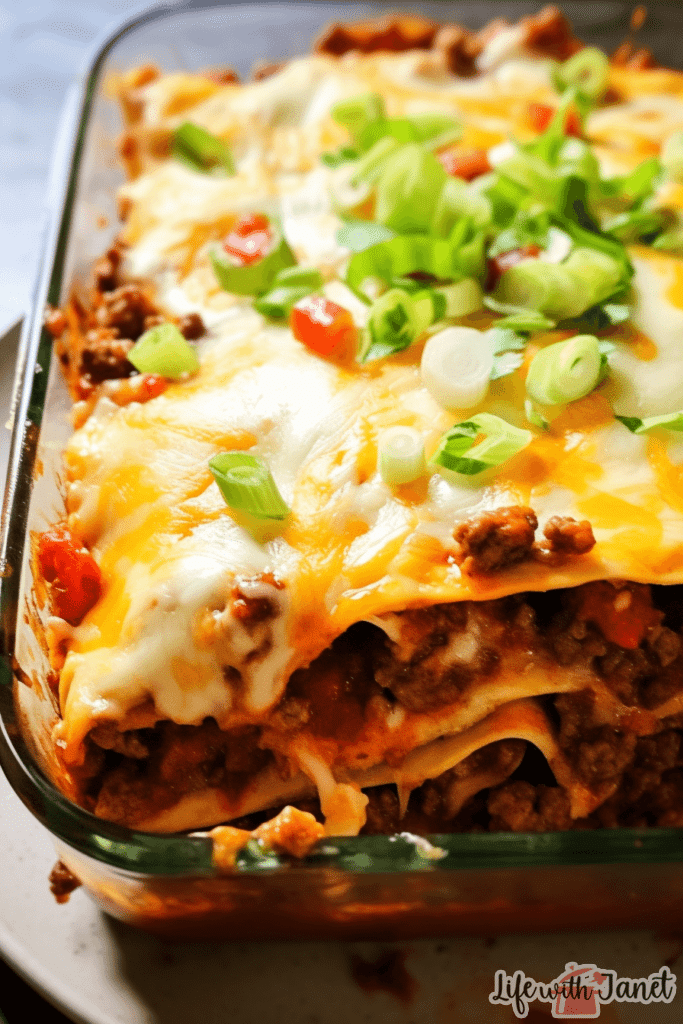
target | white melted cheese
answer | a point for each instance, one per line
(170, 549)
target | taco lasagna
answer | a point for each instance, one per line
(374, 502)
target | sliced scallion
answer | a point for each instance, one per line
(462, 298)
(499, 442)
(300, 276)
(456, 201)
(358, 112)
(201, 150)
(371, 164)
(456, 367)
(547, 287)
(565, 371)
(253, 278)
(279, 301)
(587, 71)
(358, 235)
(408, 189)
(670, 421)
(400, 455)
(163, 350)
(247, 484)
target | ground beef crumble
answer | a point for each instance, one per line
(633, 765)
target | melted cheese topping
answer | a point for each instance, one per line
(170, 549)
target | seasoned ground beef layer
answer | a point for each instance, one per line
(626, 636)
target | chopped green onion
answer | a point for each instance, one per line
(408, 189)
(508, 348)
(201, 150)
(458, 200)
(163, 350)
(371, 164)
(635, 224)
(300, 276)
(565, 371)
(500, 442)
(247, 484)
(672, 156)
(587, 71)
(462, 298)
(598, 274)
(671, 421)
(400, 455)
(392, 326)
(547, 287)
(358, 235)
(456, 367)
(533, 415)
(357, 113)
(397, 319)
(526, 321)
(279, 301)
(253, 278)
(434, 126)
(341, 156)
(637, 185)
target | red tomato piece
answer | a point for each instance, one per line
(541, 114)
(465, 163)
(73, 574)
(151, 385)
(324, 327)
(250, 240)
(623, 616)
(499, 264)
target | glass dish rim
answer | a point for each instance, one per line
(179, 855)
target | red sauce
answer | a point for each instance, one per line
(73, 574)
(623, 616)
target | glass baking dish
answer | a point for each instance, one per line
(366, 887)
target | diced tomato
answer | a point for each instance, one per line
(623, 616)
(465, 163)
(250, 240)
(324, 327)
(151, 385)
(541, 114)
(73, 574)
(497, 266)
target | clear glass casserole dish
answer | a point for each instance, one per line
(361, 887)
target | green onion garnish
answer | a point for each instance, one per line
(400, 455)
(163, 350)
(247, 484)
(546, 287)
(671, 421)
(410, 254)
(565, 371)
(289, 286)
(458, 200)
(508, 350)
(672, 156)
(358, 112)
(408, 189)
(358, 235)
(462, 298)
(456, 367)
(254, 278)
(500, 442)
(279, 301)
(201, 150)
(396, 319)
(371, 164)
(587, 71)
